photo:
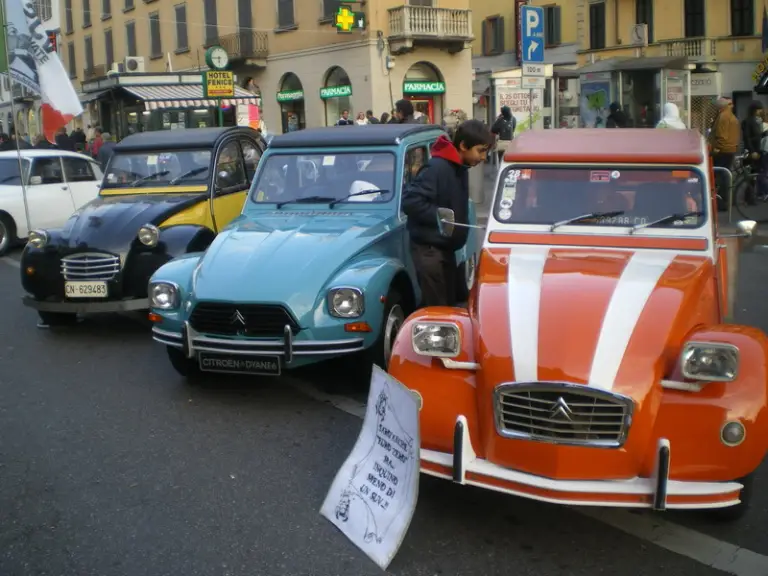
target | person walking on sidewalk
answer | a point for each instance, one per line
(724, 143)
(504, 130)
(443, 183)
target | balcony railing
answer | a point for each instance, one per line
(693, 48)
(94, 72)
(243, 45)
(424, 22)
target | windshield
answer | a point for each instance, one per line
(614, 197)
(334, 176)
(9, 171)
(168, 168)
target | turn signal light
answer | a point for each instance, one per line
(357, 327)
(30, 270)
(154, 317)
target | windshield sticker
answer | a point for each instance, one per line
(505, 214)
(152, 159)
(615, 174)
(693, 180)
(506, 202)
(511, 178)
(329, 160)
(599, 176)
(111, 178)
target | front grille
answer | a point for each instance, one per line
(255, 320)
(562, 414)
(90, 266)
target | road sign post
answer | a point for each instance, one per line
(532, 32)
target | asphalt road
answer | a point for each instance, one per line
(111, 465)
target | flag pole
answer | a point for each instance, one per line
(13, 114)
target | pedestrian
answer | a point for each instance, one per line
(752, 134)
(370, 117)
(393, 117)
(95, 144)
(63, 141)
(724, 143)
(404, 112)
(6, 143)
(671, 118)
(443, 183)
(41, 143)
(762, 175)
(345, 120)
(106, 149)
(617, 118)
(361, 119)
(384, 118)
(504, 130)
(78, 137)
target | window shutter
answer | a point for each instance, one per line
(556, 39)
(484, 39)
(500, 35)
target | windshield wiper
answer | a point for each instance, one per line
(187, 174)
(138, 182)
(586, 217)
(361, 193)
(304, 200)
(665, 220)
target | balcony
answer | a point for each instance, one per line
(249, 46)
(94, 72)
(444, 28)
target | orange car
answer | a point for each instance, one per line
(595, 364)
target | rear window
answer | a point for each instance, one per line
(9, 171)
(616, 196)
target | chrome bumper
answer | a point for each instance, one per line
(191, 342)
(87, 307)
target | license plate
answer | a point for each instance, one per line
(85, 289)
(254, 365)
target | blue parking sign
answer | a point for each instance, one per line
(532, 32)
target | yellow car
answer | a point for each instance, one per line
(164, 194)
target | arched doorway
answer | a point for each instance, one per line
(291, 99)
(32, 123)
(425, 88)
(336, 93)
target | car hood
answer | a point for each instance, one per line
(285, 257)
(610, 320)
(111, 222)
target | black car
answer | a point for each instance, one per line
(164, 194)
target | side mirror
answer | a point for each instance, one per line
(746, 228)
(35, 180)
(445, 221)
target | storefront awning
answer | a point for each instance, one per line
(184, 96)
(627, 64)
(91, 96)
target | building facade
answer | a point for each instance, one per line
(135, 61)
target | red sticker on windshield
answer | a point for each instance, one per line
(600, 176)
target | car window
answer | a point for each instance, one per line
(415, 159)
(624, 197)
(49, 169)
(180, 167)
(9, 171)
(251, 157)
(97, 171)
(230, 170)
(78, 170)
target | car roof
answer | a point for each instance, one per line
(43, 153)
(180, 140)
(369, 135)
(608, 146)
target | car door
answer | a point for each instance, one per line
(415, 159)
(231, 184)
(50, 201)
(82, 180)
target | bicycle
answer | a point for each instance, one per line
(743, 192)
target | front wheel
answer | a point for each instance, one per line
(381, 351)
(7, 234)
(732, 513)
(186, 367)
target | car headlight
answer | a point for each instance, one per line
(163, 295)
(346, 302)
(438, 339)
(710, 361)
(149, 235)
(38, 238)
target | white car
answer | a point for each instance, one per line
(58, 183)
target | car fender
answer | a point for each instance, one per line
(185, 238)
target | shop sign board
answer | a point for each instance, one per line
(534, 82)
(218, 84)
(423, 87)
(335, 92)
(290, 95)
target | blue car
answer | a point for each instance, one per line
(317, 265)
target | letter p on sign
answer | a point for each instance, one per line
(531, 22)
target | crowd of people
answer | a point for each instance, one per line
(96, 143)
(403, 113)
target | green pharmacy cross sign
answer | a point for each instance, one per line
(345, 20)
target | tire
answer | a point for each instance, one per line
(733, 513)
(57, 318)
(7, 234)
(186, 367)
(393, 319)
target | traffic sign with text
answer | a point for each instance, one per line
(532, 32)
(534, 82)
(533, 69)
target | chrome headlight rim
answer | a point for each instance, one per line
(38, 238)
(149, 235)
(453, 325)
(175, 292)
(359, 296)
(689, 347)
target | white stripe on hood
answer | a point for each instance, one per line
(671, 118)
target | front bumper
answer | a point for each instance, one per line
(91, 307)
(658, 492)
(287, 348)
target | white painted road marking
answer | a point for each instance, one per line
(647, 526)
(11, 261)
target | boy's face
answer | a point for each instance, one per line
(473, 156)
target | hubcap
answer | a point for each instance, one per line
(392, 326)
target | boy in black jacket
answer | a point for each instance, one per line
(443, 183)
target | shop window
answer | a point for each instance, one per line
(552, 25)
(493, 35)
(251, 157)
(211, 22)
(109, 48)
(742, 17)
(155, 43)
(229, 167)
(86, 13)
(130, 38)
(68, 25)
(285, 14)
(48, 169)
(106, 9)
(182, 41)
(644, 15)
(88, 55)
(597, 26)
(694, 19)
(78, 170)
(71, 61)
